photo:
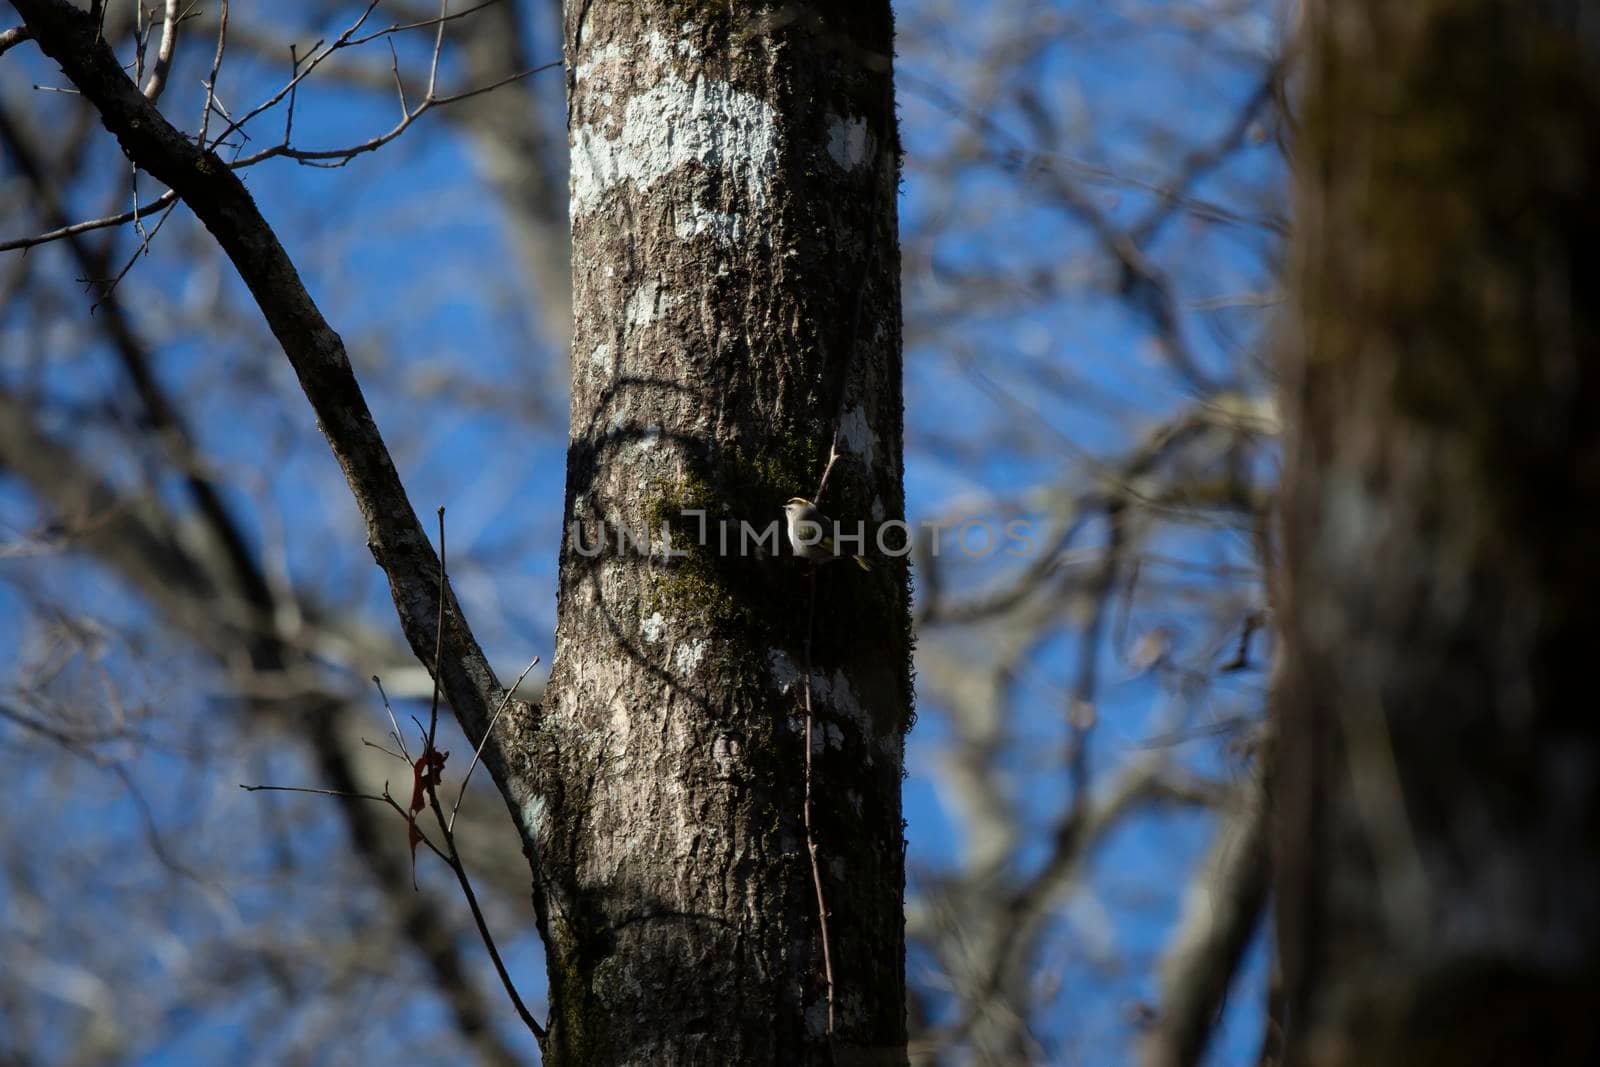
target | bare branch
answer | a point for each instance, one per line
(13, 37)
(342, 794)
(216, 66)
(460, 871)
(163, 65)
(438, 46)
(166, 198)
(478, 753)
(109, 285)
(302, 72)
(811, 834)
(315, 351)
(338, 157)
(421, 24)
(328, 157)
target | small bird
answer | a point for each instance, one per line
(811, 533)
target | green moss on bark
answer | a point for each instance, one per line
(755, 603)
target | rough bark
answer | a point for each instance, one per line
(735, 287)
(1440, 777)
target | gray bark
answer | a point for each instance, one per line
(1439, 785)
(735, 282)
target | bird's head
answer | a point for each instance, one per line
(797, 504)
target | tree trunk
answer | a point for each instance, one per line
(736, 303)
(1439, 785)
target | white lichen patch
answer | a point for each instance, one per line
(857, 435)
(878, 510)
(533, 816)
(645, 440)
(850, 143)
(601, 356)
(674, 123)
(727, 753)
(687, 656)
(621, 724)
(834, 692)
(651, 627)
(605, 61)
(725, 227)
(646, 305)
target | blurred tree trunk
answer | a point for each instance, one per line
(736, 296)
(1439, 790)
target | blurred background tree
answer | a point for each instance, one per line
(1438, 773)
(1092, 218)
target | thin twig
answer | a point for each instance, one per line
(294, 74)
(312, 62)
(109, 285)
(338, 157)
(844, 394)
(332, 157)
(478, 753)
(438, 46)
(811, 836)
(430, 782)
(420, 24)
(827, 468)
(221, 108)
(216, 67)
(381, 798)
(454, 861)
(399, 86)
(346, 794)
(76, 228)
(399, 738)
(387, 751)
(144, 247)
(138, 223)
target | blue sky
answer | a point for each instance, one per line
(406, 252)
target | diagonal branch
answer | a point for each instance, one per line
(13, 37)
(219, 199)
